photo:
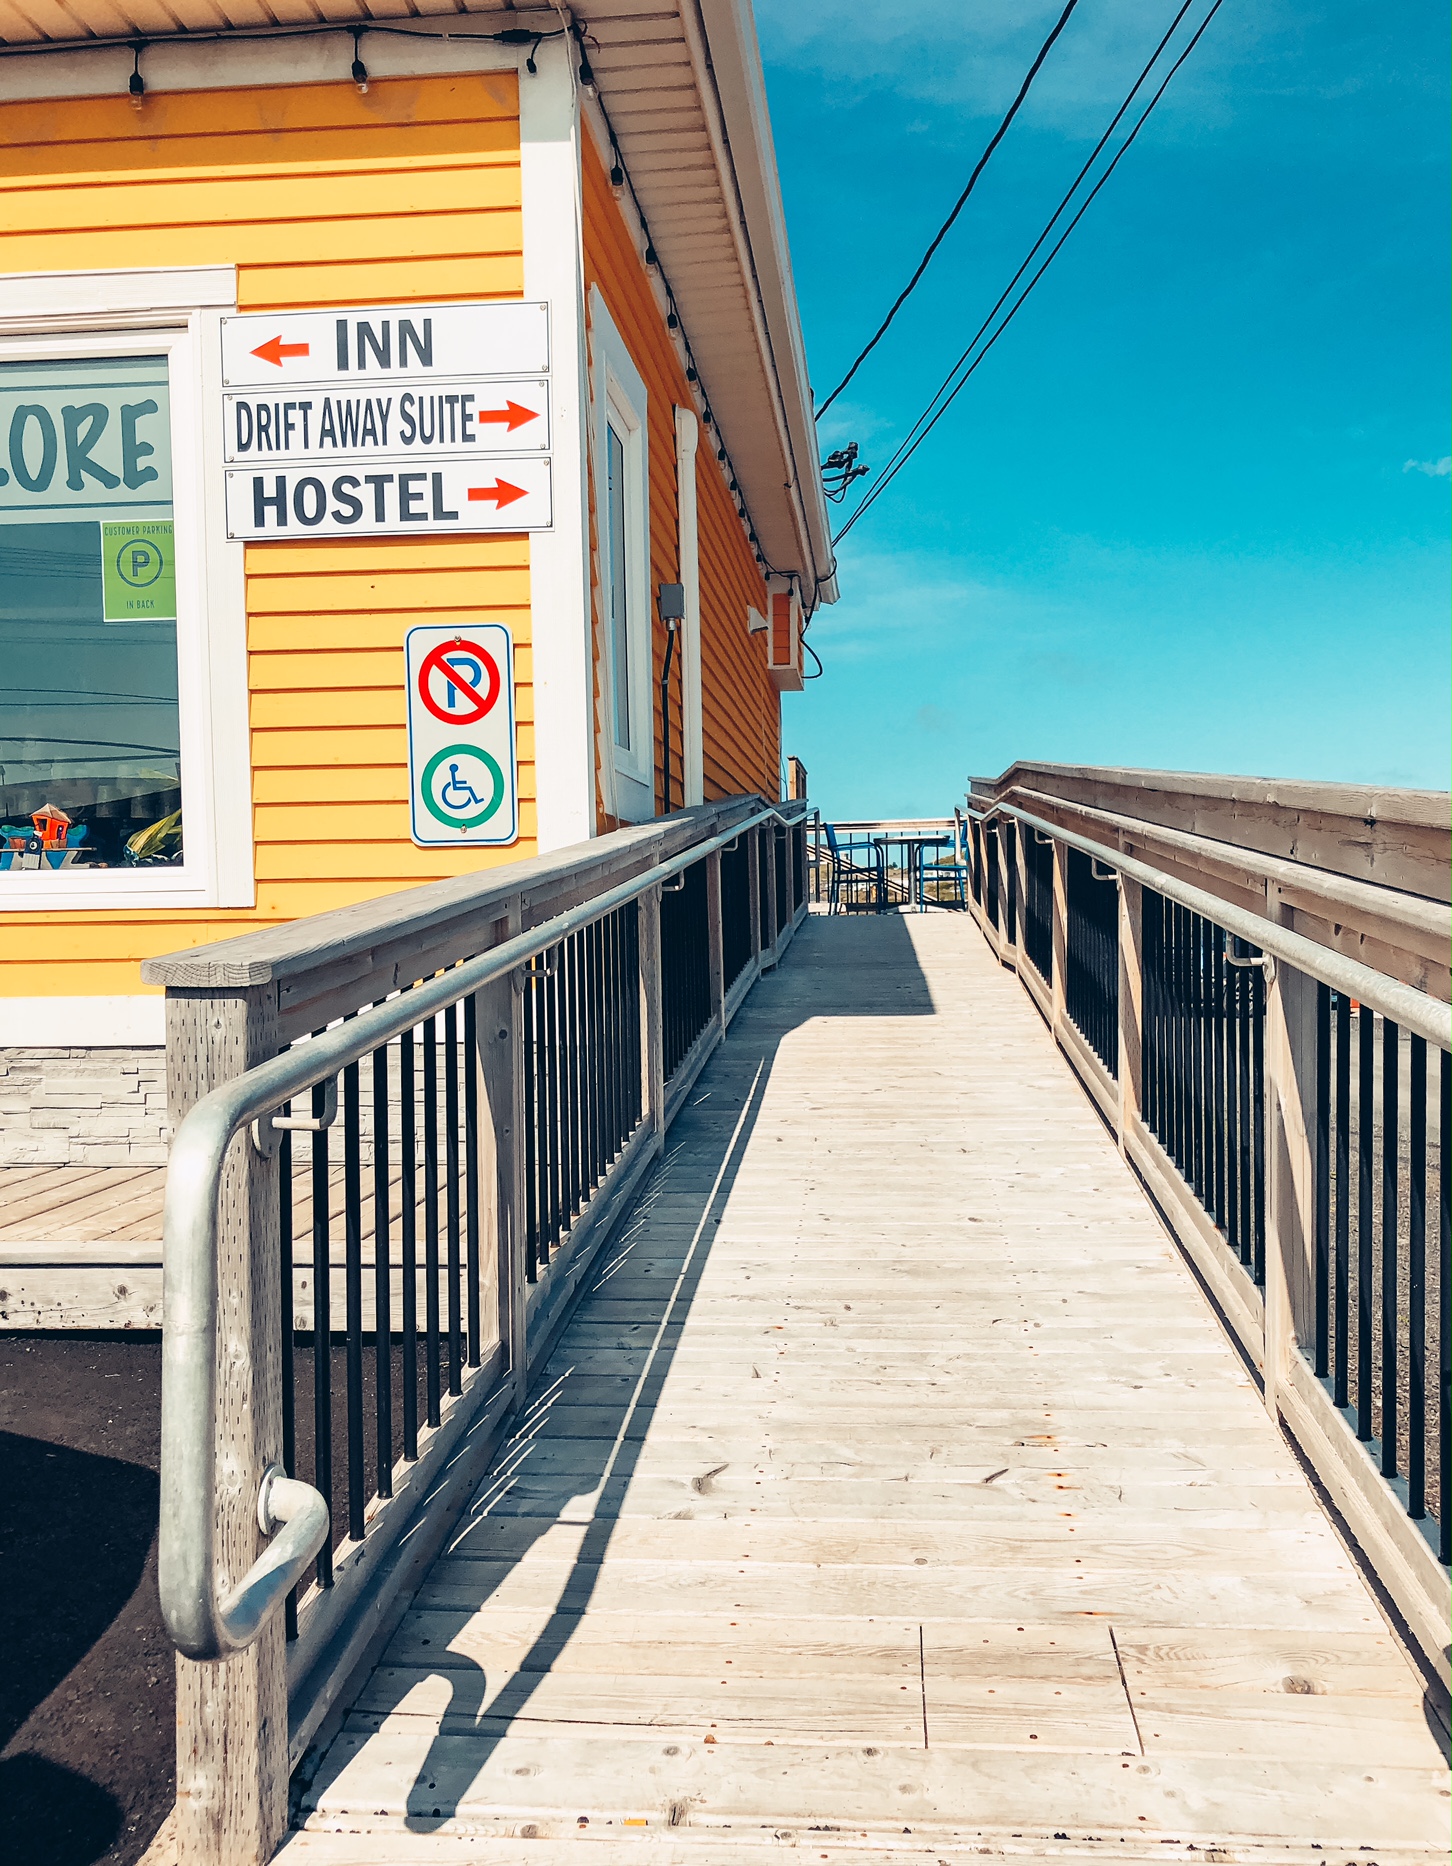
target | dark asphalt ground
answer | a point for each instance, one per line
(86, 1671)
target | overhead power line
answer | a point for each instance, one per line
(909, 439)
(945, 395)
(958, 206)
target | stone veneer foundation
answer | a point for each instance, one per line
(83, 1107)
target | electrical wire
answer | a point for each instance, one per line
(140, 42)
(905, 445)
(958, 206)
(924, 426)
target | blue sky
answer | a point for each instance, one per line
(1192, 512)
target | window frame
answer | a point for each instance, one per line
(82, 315)
(621, 403)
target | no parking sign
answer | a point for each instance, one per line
(462, 789)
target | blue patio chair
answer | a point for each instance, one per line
(952, 869)
(855, 885)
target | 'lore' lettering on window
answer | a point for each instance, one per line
(37, 447)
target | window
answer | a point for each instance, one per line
(623, 530)
(619, 585)
(124, 733)
(90, 736)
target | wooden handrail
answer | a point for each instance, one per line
(1278, 1328)
(1398, 838)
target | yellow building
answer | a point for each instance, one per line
(475, 326)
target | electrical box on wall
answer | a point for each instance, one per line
(784, 637)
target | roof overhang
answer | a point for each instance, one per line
(683, 88)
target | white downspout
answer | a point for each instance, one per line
(689, 558)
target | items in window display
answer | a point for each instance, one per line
(90, 738)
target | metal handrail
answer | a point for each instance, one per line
(200, 1624)
(1413, 1010)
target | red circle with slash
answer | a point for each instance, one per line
(475, 704)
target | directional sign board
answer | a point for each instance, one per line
(383, 343)
(313, 501)
(462, 786)
(392, 419)
(386, 420)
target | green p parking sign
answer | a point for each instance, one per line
(138, 572)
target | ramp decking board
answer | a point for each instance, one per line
(905, 1499)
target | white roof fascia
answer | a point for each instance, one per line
(730, 77)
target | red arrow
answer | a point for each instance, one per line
(501, 492)
(512, 415)
(274, 350)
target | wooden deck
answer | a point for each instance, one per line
(80, 1247)
(895, 1492)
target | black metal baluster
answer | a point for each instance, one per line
(1197, 1059)
(353, 1285)
(1444, 1303)
(1258, 1122)
(1230, 988)
(529, 1015)
(285, 1274)
(453, 1232)
(322, 1331)
(1343, 1197)
(408, 1229)
(1417, 1285)
(1243, 990)
(635, 1107)
(471, 1175)
(382, 1279)
(1390, 1133)
(597, 1048)
(552, 1190)
(431, 1220)
(1365, 1218)
(574, 1055)
(1217, 1210)
(1147, 1012)
(1321, 1191)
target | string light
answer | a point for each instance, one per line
(673, 320)
(516, 36)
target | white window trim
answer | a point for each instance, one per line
(688, 430)
(620, 401)
(176, 311)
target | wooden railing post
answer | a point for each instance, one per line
(1061, 933)
(1131, 1006)
(1290, 1087)
(500, 1024)
(652, 1034)
(715, 939)
(753, 892)
(231, 1714)
(769, 833)
(1020, 863)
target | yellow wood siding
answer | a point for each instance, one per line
(740, 709)
(319, 195)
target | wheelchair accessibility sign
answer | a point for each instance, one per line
(462, 790)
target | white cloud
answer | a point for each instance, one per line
(972, 60)
(1434, 469)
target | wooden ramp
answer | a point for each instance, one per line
(894, 1493)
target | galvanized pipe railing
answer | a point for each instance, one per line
(1275, 1095)
(202, 1624)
